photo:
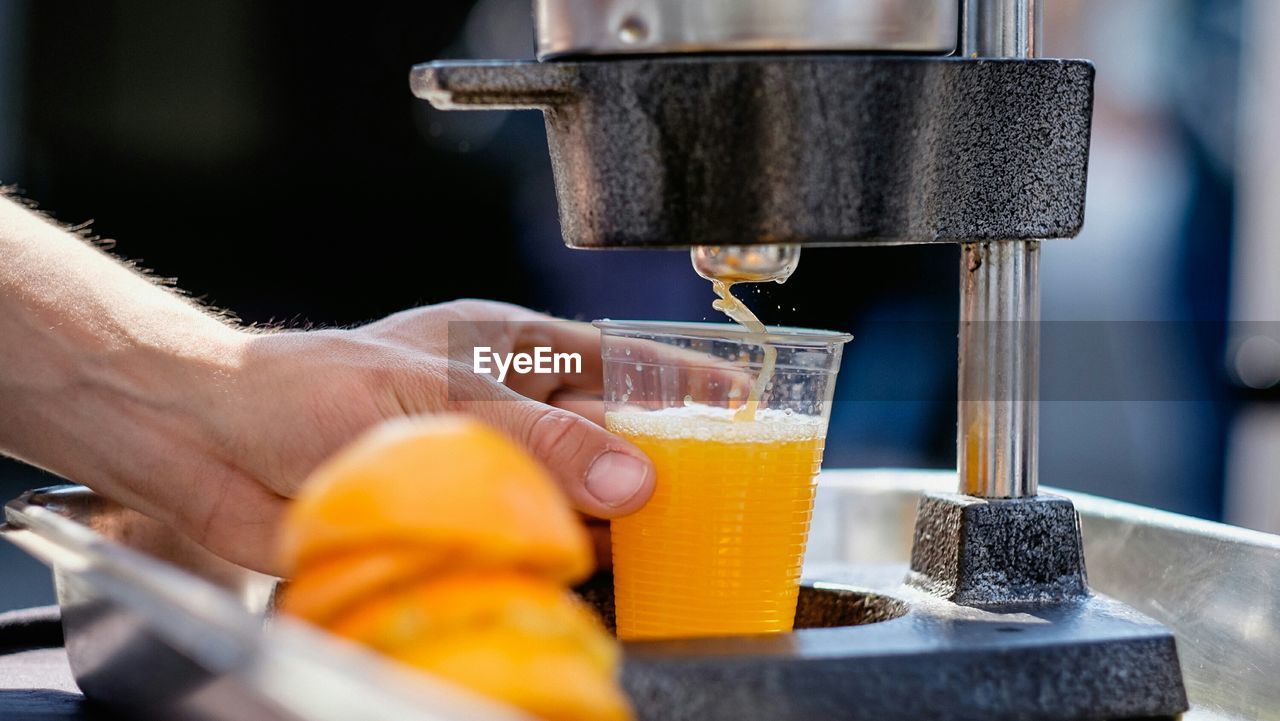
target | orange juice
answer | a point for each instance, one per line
(718, 548)
(740, 313)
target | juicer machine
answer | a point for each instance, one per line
(747, 129)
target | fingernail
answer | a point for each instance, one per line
(616, 478)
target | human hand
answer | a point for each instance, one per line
(217, 440)
(294, 398)
(113, 381)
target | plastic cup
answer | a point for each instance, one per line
(717, 550)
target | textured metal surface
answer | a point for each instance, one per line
(1094, 659)
(992, 552)
(799, 149)
(601, 27)
(1216, 586)
(870, 648)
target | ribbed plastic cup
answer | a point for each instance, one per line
(718, 548)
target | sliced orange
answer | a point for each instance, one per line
(512, 637)
(441, 543)
(323, 589)
(445, 482)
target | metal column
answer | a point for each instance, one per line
(999, 357)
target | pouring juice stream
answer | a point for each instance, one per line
(741, 314)
(725, 266)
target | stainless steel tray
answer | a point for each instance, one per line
(158, 626)
(1216, 586)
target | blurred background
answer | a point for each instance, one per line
(270, 158)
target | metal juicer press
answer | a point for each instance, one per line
(733, 124)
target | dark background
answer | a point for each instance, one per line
(270, 158)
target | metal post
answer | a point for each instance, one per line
(999, 359)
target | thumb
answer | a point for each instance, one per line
(602, 474)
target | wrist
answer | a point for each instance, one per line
(172, 367)
(91, 404)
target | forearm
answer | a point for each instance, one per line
(117, 383)
(92, 354)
